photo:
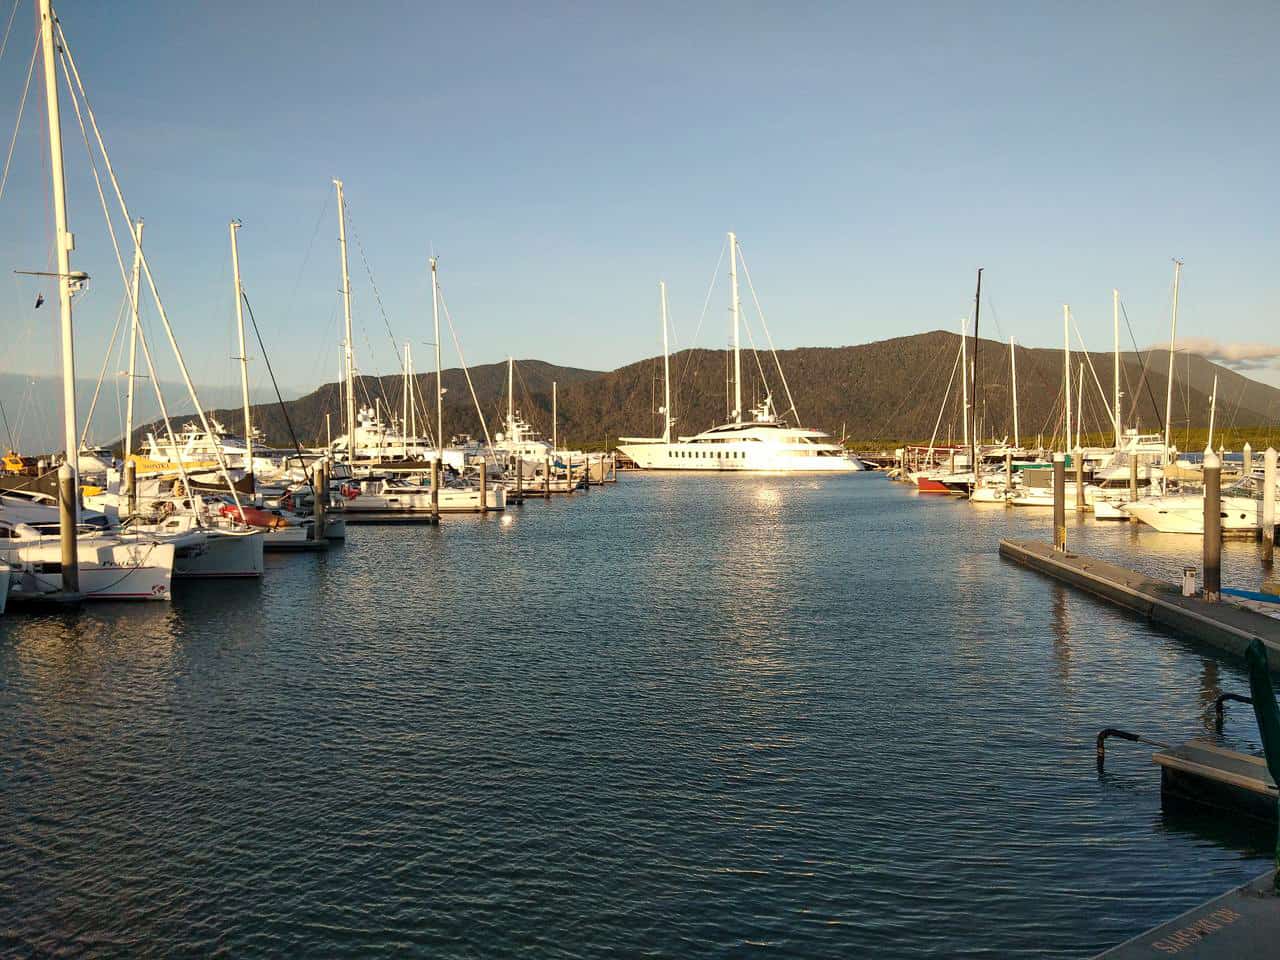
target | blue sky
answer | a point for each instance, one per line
(561, 158)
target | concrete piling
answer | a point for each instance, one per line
(1060, 502)
(546, 479)
(484, 485)
(1246, 461)
(131, 487)
(1212, 526)
(1008, 471)
(67, 526)
(435, 488)
(320, 500)
(1133, 481)
(1077, 459)
(519, 480)
(1269, 504)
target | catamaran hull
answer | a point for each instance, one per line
(110, 571)
(223, 554)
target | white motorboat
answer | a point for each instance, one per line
(1184, 513)
(389, 496)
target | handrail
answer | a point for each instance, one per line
(1218, 704)
(1109, 732)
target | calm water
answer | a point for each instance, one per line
(679, 717)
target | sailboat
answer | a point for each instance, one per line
(759, 442)
(74, 564)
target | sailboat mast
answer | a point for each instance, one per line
(1173, 337)
(133, 340)
(1066, 375)
(350, 372)
(65, 243)
(413, 408)
(404, 407)
(555, 443)
(964, 376)
(666, 367)
(1213, 406)
(1013, 376)
(435, 318)
(735, 309)
(973, 383)
(244, 355)
(1115, 323)
(1079, 402)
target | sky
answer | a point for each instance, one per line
(561, 159)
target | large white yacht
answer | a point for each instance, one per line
(763, 443)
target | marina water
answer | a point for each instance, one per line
(679, 717)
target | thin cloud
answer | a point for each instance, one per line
(1237, 356)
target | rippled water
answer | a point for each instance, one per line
(679, 717)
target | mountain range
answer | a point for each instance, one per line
(870, 393)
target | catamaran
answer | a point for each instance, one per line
(762, 442)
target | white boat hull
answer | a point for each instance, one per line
(110, 568)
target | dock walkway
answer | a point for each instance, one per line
(1242, 923)
(1227, 626)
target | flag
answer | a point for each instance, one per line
(39, 300)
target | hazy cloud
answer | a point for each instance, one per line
(1237, 356)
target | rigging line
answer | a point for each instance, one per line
(8, 27)
(706, 302)
(1085, 350)
(67, 60)
(17, 124)
(377, 296)
(466, 371)
(1142, 369)
(275, 386)
(7, 429)
(760, 311)
(942, 409)
(106, 358)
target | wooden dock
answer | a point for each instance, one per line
(1223, 625)
(1242, 923)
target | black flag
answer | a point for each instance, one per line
(39, 300)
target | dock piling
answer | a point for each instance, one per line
(546, 479)
(1269, 505)
(1060, 502)
(131, 487)
(1008, 471)
(435, 488)
(1246, 460)
(1077, 459)
(484, 485)
(519, 480)
(1212, 526)
(68, 509)
(1133, 481)
(319, 499)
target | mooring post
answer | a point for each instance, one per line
(1212, 526)
(131, 487)
(1060, 502)
(320, 499)
(519, 480)
(951, 464)
(1246, 460)
(1133, 481)
(1077, 458)
(435, 488)
(484, 485)
(568, 471)
(67, 527)
(546, 479)
(1269, 504)
(1008, 471)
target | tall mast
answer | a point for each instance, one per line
(435, 317)
(244, 355)
(973, 383)
(735, 308)
(1013, 375)
(511, 394)
(666, 367)
(1115, 323)
(404, 408)
(350, 365)
(1079, 401)
(964, 376)
(555, 443)
(1066, 375)
(133, 340)
(413, 407)
(1213, 406)
(65, 243)
(1173, 337)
